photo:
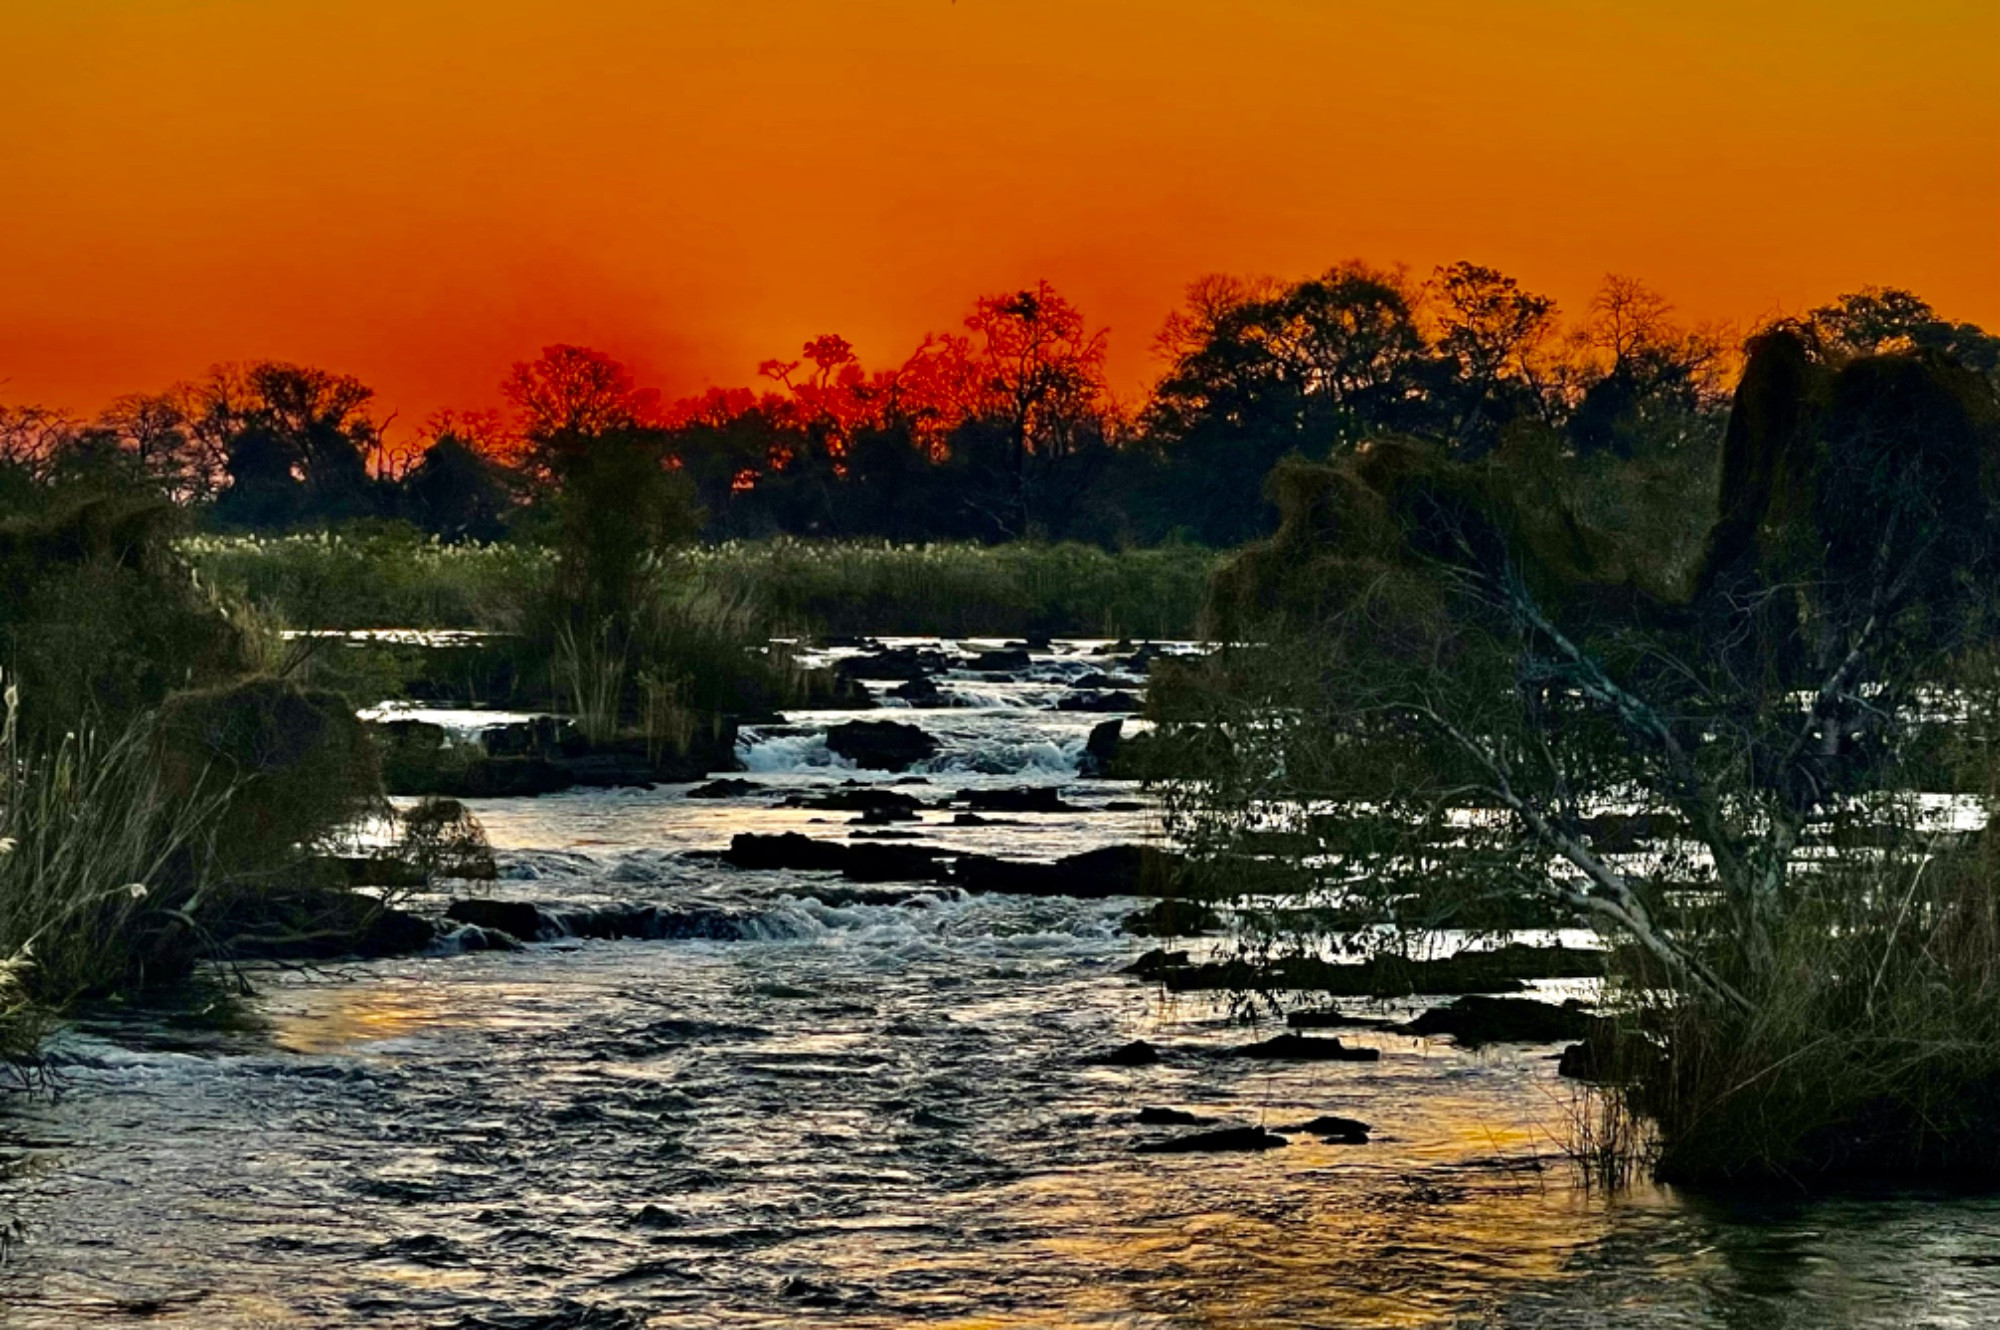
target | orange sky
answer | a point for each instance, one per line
(420, 191)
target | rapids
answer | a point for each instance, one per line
(857, 1109)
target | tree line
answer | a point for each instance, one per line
(1002, 429)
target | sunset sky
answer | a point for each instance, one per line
(421, 191)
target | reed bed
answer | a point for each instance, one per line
(334, 581)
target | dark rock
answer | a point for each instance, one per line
(1206, 1142)
(789, 849)
(516, 918)
(1138, 1053)
(1157, 964)
(1088, 701)
(1302, 1048)
(728, 788)
(1330, 1019)
(394, 932)
(541, 736)
(860, 799)
(1609, 1056)
(1492, 1020)
(1116, 870)
(1005, 661)
(501, 778)
(1169, 1117)
(1020, 799)
(1334, 1130)
(881, 745)
(1172, 918)
(890, 863)
(920, 692)
(1100, 749)
(881, 835)
(892, 663)
(1124, 806)
(867, 862)
(1100, 680)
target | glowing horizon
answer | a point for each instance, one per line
(422, 192)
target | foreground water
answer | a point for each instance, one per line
(858, 1114)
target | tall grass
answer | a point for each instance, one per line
(331, 580)
(374, 581)
(94, 849)
(964, 590)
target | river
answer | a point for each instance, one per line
(859, 1108)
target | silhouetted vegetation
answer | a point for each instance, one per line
(1718, 719)
(1003, 430)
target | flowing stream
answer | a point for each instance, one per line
(837, 1106)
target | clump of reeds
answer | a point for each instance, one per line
(1874, 1049)
(93, 850)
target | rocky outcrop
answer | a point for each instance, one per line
(881, 745)
(1499, 1020)
(1117, 870)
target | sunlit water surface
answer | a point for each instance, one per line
(858, 1115)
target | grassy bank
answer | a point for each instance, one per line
(392, 580)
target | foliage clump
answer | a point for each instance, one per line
(1470, 676)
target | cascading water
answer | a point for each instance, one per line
(782, 1098)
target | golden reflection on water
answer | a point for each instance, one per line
(335, 1018)
(1464, 1204)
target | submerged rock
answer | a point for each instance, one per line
(1138, 1053)
(1335, 1130)
(881, 745)
(1169, 1117)
(1303, 1048)
(1203, 1142)
(728, 788)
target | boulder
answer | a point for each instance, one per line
(515, 918)
(1476, 1020)
(1008, 660)
(1116, 870)
(881, 745)
(1101, 749)
(1020, 799)
(1303, 1048)
(789, 849)
(919, 692)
